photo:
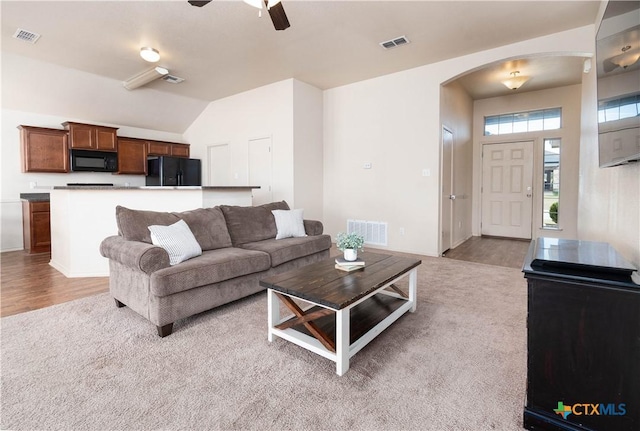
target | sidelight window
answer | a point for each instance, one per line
(551, 189)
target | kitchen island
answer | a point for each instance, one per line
(82, 216)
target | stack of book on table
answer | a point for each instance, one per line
(349, 265)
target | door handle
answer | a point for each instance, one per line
(452, 197)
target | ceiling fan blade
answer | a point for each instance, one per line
(279, 18)
(199, 3)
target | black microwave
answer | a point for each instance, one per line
(93, 161)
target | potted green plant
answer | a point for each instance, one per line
(350, 243)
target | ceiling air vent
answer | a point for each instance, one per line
(26, 35)
(388, 44)
(172, 79)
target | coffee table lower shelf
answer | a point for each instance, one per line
(348, 329)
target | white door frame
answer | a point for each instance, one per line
(446, 202)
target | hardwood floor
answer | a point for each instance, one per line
(28, 282)
(492, 251)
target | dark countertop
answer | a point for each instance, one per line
(35, 197)
(239, 188)
(579, 260)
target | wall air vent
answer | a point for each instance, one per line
(374, 232)
(172, 79)
(26, 35)
(388, 44)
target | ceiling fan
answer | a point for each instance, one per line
(274, 7)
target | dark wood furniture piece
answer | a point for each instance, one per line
(36, 226)
(583, 338)
(43, 150)
(91, 137)
(348, 309)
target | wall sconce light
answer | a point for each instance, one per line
(144, 78)
(150, 54)
(515, 81)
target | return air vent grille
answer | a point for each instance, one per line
(388, 44)
(374, 232)
(26, 35)
(172, 79)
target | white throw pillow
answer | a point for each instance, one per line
(289, 223)
(177, 239)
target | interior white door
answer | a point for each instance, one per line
(507, 178)
(447, 190)
(260, 166)
(219, 162)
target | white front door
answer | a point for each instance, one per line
(507, 180)
(260, 170)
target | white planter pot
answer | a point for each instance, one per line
(350, 254)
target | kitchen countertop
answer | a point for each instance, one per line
(154, 188)
(35, 197)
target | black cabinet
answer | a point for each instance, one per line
(583, 338)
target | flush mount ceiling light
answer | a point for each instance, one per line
(144, 78)
(149, 54)
(627, 58)
(515, 81)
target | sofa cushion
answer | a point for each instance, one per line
(208, 226)
(250, 224)
(213, 266)
(289, 223)
(177, 240)
(288, 249)
(133, 224)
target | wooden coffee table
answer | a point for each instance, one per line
(345, 310)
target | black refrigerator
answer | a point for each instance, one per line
(173, 171)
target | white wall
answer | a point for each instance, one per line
(14, 182)
(264, 112)
(456, 113)
(307, 150)
(609, 205)
(290, 112)
(569, 99)
(394, 122)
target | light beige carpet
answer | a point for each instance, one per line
(457, 363)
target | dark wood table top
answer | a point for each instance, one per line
(323, 284)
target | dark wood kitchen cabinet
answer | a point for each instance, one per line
(158, 148)
(91, 137)
(180, 150)
(36, 227)
(583, 338)
(43, 150)
(132, 156)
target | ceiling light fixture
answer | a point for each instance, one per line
(258, 3)
(515, 81)
(627, 58)
(149, 54)
(144, 78)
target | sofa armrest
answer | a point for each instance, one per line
(141, 256)
(313, 227)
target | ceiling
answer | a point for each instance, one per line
(224, 48)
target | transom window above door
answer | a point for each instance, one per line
(519, 122)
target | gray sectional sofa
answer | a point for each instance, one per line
(238, 249)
